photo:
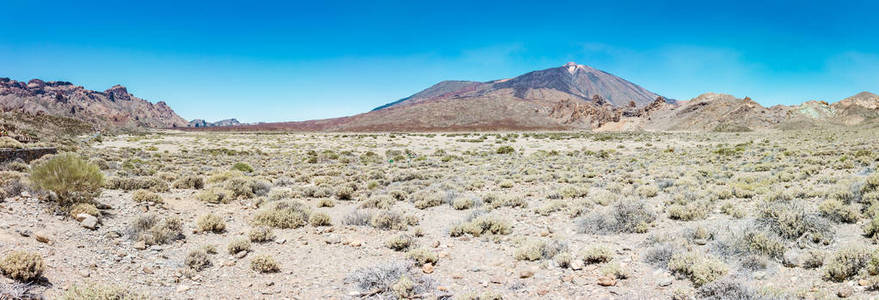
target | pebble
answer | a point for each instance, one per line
(665, 282)
(526, 274)
(577, 265)
(140, 245)
(42, 237)
(427, 268)
(606, 281)
(182, 288)
(148, 270)
(241, 254)
(89, 222)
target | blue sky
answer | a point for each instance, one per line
(292, 60)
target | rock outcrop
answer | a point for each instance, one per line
(114, 107)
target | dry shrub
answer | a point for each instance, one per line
(151, 183)
(264, 264)
(699, 268)
(23, 266)
(627, 216)
(378, 201)
(422, 256)
(211, 223)
(481, 225)
(400, 242)
(389, 220)
(146, 196)
(538, 249)
(283, 215)
(596, 254)
(71, 178)
(846, 263)
(387, 281)
(197, 260)
(320, 219)
(189, 181)
(238, 245)
(154, 231)
(261, 234)
(215, 195)
(101, 292)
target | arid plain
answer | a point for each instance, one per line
(770, 214)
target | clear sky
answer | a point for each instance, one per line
(297, 60)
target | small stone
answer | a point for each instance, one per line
(140, 245)
(542, 291)
(42, 237)
(148, 270)
(863, 282)
(229, 263)
(270, 283)
(24, 233)
(577, 265)
(526, 274)
(81, 217)
(427, 268)
(182, 288)
(281, 241)
(436, 244)
(457, 276)
(333, 240)
(442, 288)
(606, 281)
(497, 280)
(85, 273)
(112, 234)
(844, 292)
(89, 222)
(665, 282)
(241, 254)
(355, 244)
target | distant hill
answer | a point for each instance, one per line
(199, 123)
(112, 108)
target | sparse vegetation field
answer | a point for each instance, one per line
(557, 215)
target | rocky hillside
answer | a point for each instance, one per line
(199, 123)
(112, 108)
(722, 112)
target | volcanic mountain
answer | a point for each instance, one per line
(570, 96)
(112, 108)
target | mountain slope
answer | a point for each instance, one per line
(114, 107)
(571, 81)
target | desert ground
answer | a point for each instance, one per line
(512, 215)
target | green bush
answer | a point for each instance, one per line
(243, 167)
(505, 150)
(73, 179)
